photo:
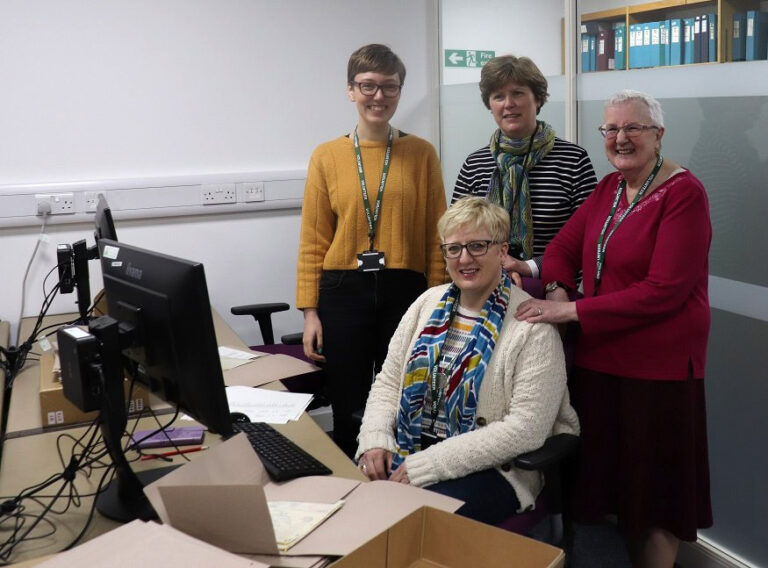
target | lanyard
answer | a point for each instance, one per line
(601, 246)
(437, 390)
(372, 218)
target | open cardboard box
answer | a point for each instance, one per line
(221, 498)
(430, 538)
(56, 409)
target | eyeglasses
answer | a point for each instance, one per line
(630, 130)
(370, 89)
(474, 248)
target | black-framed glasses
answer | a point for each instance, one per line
(474, 248)
(390, 90)
(630, 130)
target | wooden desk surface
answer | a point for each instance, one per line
(31, 456)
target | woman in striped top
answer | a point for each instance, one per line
(465, 388)
(537, 177)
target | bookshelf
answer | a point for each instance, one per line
(656, 20)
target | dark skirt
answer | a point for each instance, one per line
(643, 454)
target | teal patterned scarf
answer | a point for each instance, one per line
(510, 189)
(466, 376)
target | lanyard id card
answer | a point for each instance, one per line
(372, 260)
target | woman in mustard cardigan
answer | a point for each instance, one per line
(369, 245)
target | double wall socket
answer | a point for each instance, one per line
(215, 193)
(56, 203)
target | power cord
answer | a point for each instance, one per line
(43, 209)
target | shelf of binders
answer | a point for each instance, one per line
(673, 32)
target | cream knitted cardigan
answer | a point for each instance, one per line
(523, 399)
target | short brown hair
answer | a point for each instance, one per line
(376, 58)
(501, 70)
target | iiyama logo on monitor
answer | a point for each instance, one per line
(133, 272)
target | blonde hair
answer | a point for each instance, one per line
(475, 213)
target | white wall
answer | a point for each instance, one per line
(114, 89)
(518, 27)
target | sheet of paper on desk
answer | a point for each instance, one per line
(262, 405)
(232, 358)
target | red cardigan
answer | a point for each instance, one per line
(650, 319)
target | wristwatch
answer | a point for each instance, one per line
(554, 285)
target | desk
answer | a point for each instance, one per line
(30, 456)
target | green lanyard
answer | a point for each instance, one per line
(372, 218)
(601, 246)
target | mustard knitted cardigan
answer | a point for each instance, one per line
(333, 223)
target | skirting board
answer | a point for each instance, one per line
(704, 554)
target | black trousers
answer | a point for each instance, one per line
(359, 312)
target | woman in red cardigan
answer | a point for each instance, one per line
(641, 241)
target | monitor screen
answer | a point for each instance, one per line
(173, 343)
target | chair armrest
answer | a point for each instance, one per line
(292, 338)
(554, 450)
(262, 313)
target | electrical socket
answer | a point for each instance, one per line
(252, 191)
(60, 203)
(215, 193)
(92, 200)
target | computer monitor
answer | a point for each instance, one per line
(104, 226)
(165, 300)
(160, 324)
(73, 259)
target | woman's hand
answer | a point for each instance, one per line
(547, 311)
(400, 475)
(313, 335)
(514, 266)
(375, 463)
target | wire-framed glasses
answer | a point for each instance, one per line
(390, 90)
(474, 248)
(630, 130)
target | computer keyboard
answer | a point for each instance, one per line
(282, 458)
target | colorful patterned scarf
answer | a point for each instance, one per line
(510, 189)
(467, 374)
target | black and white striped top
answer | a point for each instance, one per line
(559, 183)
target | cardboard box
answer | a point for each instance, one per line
(221, 498)
(437, 539)
(56, 409)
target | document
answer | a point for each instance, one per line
(232, 358)
(262, 405)
(293, 520)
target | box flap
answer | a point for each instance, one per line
(233, 517)
(145, 544)
(263, 370)
(370, 509)
(227, 488)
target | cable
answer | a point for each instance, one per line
(41, 211)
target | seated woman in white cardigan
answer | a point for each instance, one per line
(465, 386)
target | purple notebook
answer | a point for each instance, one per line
(173, 436)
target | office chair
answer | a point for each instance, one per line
(550, 459)
(290, 344)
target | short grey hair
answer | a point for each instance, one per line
(628, 95)
(475, 213)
